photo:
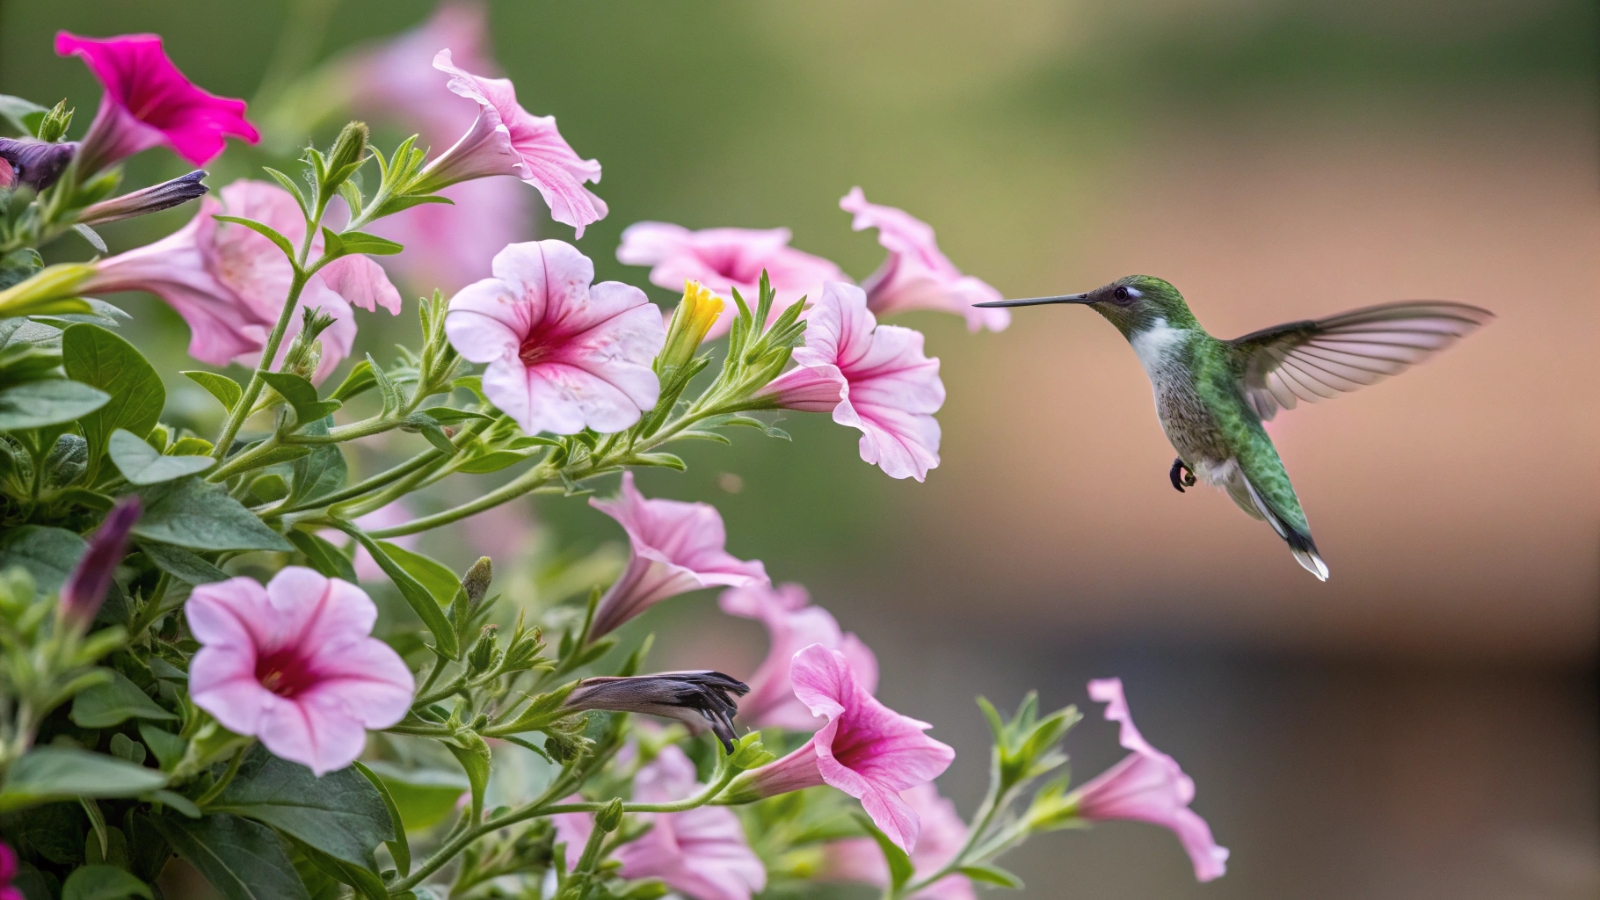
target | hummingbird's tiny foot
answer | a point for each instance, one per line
(1181, 475)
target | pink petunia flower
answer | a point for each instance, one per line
(507, 140)
(701, 853)
(943, 834)
(85, 588)
(724, 260)
(562, 355)
(229, 283)
(294, 664)
(148, 102)
(872, 377)
(677, 547)
(1147, 786)
(449, 246)
(916, 274)
(866, 749)
(792, 624)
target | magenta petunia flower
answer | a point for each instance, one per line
(507, 140)
(700, 853)
(8, 871)
(85, 588)
(562, 356)
(916, 274)
(229, 283)
(1147, 786)
(792, 624)
(724, 260)
(872, 377)
(677, 547)
(148, 102)
(294, 664)
(866, 749)
(943, 834)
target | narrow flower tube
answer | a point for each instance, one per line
(85, 588)
(36, 164)
(1146, 786)
(866, 749)
(148, 200)
(697, 699)
(148, 102)
(677, 547)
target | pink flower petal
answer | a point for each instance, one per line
(362, 283)
(791, 624)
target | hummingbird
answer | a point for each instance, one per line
(1213, 395)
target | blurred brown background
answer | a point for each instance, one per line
(1424, 724)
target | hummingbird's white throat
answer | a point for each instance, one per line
(1156, 345)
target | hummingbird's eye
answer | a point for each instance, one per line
(1121, 294)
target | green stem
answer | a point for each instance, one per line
(227, 777)
(380, 480)
(269, 353)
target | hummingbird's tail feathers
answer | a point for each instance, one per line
(1305, 553)
(1296, 536)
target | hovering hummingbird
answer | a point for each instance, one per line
(1212, 395)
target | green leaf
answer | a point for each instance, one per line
(664, 460)
(302, 395)
(93, 237)
(323, 556)
(50, 402)
(24, 115)
(341, 813)
(370, 244)
(60, 773)
(114, 702)
(992, 875)
(320, 472)
(444, 415)
(293, 188)
(103, 883)
(476, 761)
(417, 596)
(493, 461)
(100, 359)
(424, 797)
(399, 846)
(141, 464)
(366, 883)
(167, 746)
(265, 231)
(900, 868)
(243, 860)
(199, 516)
(48, 554)
(225, 389)
(357, 382)
(283, 454)
(437, 577)
(181, 564)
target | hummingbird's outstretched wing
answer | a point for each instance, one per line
(1320, 358)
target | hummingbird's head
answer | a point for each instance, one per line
(1133, 303)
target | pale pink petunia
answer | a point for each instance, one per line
(148, 102)
(792, 623)
(361, 282)
(872, 377)
(1147, 786)
(724, 260)
(676, 547)
(229, 283)
(508, 140)
(294, 664)
(562, 356)
(943, 834)
(917, 274)
(700, 853)
(866, 749)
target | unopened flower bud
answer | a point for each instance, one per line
(698, 699)
(475, 583)
(147, 200)
(36, 164)
(481, 657)
(750, 753)
(691, 321)
(306, 351)
(610, 817)
(55, 123)
(52, 290)
(349, 147)
(85, 589)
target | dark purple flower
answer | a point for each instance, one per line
(85, 589)
(142, 202)
(36, 163)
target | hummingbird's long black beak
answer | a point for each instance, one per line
(1039, 301)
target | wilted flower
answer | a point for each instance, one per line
(229, 283)
(700, 853)
(36, 164)
(1147, 786)
(866, 749)
(85, 589)
(677, 547)
(871, 377)
(943, 834)
(792, 624)
(562, 355)
(916, 274)
(147, 102)
(698, 699)
(507, 140)
(294, 664)
(148, 200)
(725, 260)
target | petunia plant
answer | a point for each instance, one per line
(228, 649)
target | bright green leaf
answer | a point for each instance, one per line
(225, 389)
(96, 357)
(399, 846)
(102, 883)
(301, 395)
(370, 244)
(417, 596)
(265, 231)
(992, 875)
(424, 797)
(141, 464)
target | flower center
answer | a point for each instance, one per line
(734, 265)
(534, 350)
(284, 672)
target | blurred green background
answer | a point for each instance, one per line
(1423, 725)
